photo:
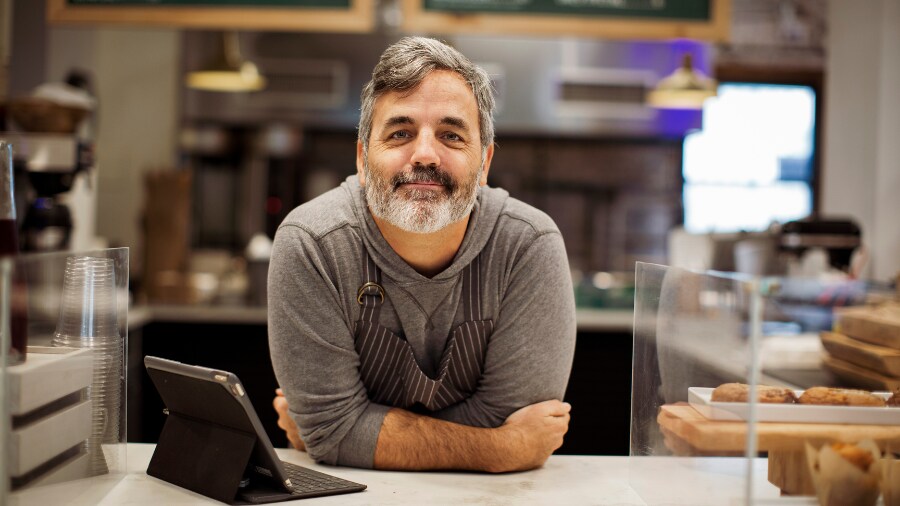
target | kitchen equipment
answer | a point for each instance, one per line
(35, 114)
(839, 238)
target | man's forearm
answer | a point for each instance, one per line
(408, 441)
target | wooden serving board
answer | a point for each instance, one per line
(877, 325)
(712, 436)
(879, 359)
(687, 432)
(860, 376)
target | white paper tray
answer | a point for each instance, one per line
(699, 398)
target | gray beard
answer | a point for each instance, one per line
(419, 211)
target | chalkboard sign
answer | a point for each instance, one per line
(627, 19)
(220, 3)
(301, 15)
(652, 9)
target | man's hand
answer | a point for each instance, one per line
(286, 422)
(533, 433)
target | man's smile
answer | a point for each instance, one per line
(425, 179)
(422, 185)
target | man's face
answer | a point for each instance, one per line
(424, 161)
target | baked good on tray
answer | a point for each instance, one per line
(894, 400)
(840, 397)
(738, 392)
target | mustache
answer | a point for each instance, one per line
(424, 174)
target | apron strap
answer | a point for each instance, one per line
(471, 294)
(371, 294)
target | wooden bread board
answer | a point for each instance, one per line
(711, 437)
(877, 325)
(860, 377)
(687, 432)
(879, 359)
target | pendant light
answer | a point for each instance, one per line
(686, 88)
(228, 72)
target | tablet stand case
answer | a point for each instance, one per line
(208, 459)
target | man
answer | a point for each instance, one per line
(417, 318)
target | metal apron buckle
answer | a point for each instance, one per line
(370, 288)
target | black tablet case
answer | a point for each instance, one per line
(203, 456)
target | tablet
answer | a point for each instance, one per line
(214, 443)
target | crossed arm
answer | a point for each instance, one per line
(412, 442)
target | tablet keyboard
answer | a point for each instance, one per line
(306, 481)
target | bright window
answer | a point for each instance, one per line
(751, 165)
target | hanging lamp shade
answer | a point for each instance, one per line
(228, 72)
(686, 88)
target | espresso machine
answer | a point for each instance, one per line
(52, 147)
(838, 238)
(48, 164)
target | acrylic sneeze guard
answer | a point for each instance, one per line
(63, 417)
(695, 331)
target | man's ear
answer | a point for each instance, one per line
(486, 167)
(360, 164)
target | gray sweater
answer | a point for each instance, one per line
(314, 275)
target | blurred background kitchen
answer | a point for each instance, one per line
(783, 160)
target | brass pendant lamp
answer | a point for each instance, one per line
(228, 72)
(686, 88)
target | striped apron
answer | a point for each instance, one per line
(387, 365)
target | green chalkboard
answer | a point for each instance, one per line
(686, 10)
(330, 4)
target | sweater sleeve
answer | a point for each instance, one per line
(530, 352)
(313, 354)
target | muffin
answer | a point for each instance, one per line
(845, 474)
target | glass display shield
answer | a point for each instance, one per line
(704, 342)
(63, 414)
(6, 267)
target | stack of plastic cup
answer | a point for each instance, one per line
(88, 319)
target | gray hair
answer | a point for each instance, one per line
(405, 64)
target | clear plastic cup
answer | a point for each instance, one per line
(88, 318)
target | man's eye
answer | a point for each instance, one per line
(400, 134)
(450, 136)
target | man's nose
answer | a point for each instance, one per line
(426, 151)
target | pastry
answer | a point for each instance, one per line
(854, 454)
(894, 400)
(737, 392)
(840, 397)
(845, 474)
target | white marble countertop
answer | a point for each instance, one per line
(563, 480)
